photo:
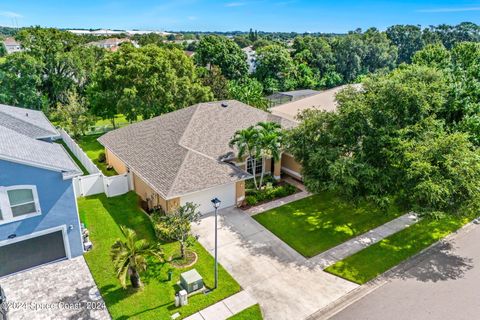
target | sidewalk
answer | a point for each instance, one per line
(226, 308)
(329, 257)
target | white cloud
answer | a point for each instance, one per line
(192, 18)
(10, 14)
(440, 10)
(235, 4)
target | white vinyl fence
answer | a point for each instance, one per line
(96, 182)
(79, 153)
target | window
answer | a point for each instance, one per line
(18, 202)
(258, 166)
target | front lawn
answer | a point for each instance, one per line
(103, 216)
(374, 260)
(94, 149)
(322, 221)
(252, 313)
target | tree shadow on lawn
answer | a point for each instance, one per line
(437, 264)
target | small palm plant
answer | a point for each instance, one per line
(129, 257)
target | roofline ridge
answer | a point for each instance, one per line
(31, 124)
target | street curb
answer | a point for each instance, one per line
(356, 294)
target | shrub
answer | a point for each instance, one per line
(162, 231)
(102, 157)
(251, 200)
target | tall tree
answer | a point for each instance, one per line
(408, 39)
(66, 62)
(249, 91)
(275, 63)
(379, 51)
(146, 82)
(220, 51)
(21, 82)
(350, 52)
(73, 116)
(214, 79)
(353, 151)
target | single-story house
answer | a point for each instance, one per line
(39, 220)
(184, 156)
(324, 100)
(12, 45)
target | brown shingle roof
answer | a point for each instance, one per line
(179, 152)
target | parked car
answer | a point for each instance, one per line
(3, 305)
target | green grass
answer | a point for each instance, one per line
(119, 120)
(367, 264)
(322, 221)
(103, 216)
(79, 164)
(252, 313)
(93, 149)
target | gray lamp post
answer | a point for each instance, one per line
(216, 204)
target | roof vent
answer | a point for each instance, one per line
(26, 114)
(224, 104)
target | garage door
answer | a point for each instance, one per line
(29, 253)
(225, 193)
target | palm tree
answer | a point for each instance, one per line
(271, 141)
(247, 143)
(129, 257)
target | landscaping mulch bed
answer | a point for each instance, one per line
(246, 206)
(189, 260)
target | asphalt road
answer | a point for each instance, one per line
(442, 283)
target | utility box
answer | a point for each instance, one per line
(191, 281)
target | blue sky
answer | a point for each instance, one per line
(208, 15)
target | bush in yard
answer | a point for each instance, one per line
(162, 230)
(102, 157)
(251, 200)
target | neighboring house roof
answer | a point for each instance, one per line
(11, 42)
(20, 148)
(28, 122)
(180, 152)
(20, 131)
(325, 100)
(298, 93)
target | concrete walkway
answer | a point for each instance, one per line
(346, 249)
(226, 308)
(281, 280)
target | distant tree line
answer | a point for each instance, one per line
(58, 70)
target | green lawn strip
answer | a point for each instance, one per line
(322, 221)
(79, 164)
(119, 120)
(252, 313)
(103, 216)
(374, 260)
(93, 149)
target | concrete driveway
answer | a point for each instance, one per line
(62, 290)
(441, 283)
(285, 284)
